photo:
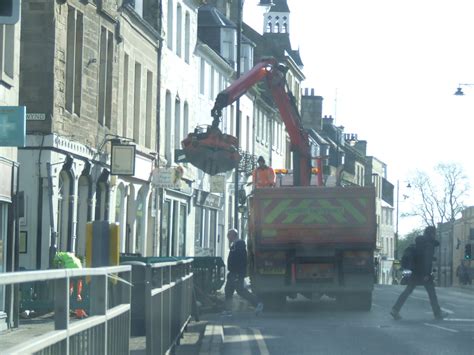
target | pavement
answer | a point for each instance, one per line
(206, 336)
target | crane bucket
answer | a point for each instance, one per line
(211, 151)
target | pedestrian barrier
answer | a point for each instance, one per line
(106, 329)
(162, 299)
(209, 277)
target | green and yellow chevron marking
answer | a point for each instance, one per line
(315, 211)
(269, 232)
(277, 210)
(359, 217)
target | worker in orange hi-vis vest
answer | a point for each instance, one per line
(263, 175)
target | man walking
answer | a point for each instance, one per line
(421, 275)
(237, 267)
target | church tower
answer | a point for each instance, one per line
(277, 19)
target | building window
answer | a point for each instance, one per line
(136, 103)
(179, 31)
(202, 77)
(7, 53)
(269, 28)
(165, 228)
(228, 44)
(177, 123)
(182, 230)
(148, 113)
(83, 214)
(140, 222)
(3, 248)
(246, 59)
(187, 37)
(230, 211)
(212, 231)
(185, 120)
(105, 77)
(169, 35)
(247, 141)
(211, 84)
(168, 133)
(198, 224)
(74, 60)
(174, 229)
(125, 96)
(121, 215)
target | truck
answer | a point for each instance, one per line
(313, 241)
(306, 238)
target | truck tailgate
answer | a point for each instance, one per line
(312, 214)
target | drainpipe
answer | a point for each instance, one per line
(54, 234)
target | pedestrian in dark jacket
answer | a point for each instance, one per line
(422, 273)
(237, 267)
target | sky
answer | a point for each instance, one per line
(387, 71)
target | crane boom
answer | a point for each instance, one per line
(274, 73)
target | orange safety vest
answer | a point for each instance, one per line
(263, 177)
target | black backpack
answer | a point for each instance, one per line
(408, 258)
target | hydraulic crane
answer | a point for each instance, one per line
(215, 152)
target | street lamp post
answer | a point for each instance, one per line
(266, 5)
(396, 221)
(237, 113)
(396, 254)
(459, 91)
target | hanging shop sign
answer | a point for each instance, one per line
(206, 199)
(167, 178)
(217, 183)
(122, 159)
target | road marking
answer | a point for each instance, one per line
(260, 342)
(445, 310)
(459, 320)
(245, 340)
(376, 305)
(442, 328)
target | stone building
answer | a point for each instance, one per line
(178, 95)
(463, 234)
(453, 238)
(89, 72)
(9, 166)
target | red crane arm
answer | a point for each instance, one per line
(275, 76)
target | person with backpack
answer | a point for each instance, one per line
(420, 259)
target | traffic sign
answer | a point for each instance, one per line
(9, 12)
(12, 126)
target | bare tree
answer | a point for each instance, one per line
(440, 198)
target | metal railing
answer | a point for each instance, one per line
(105, 331)
(167, 300)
